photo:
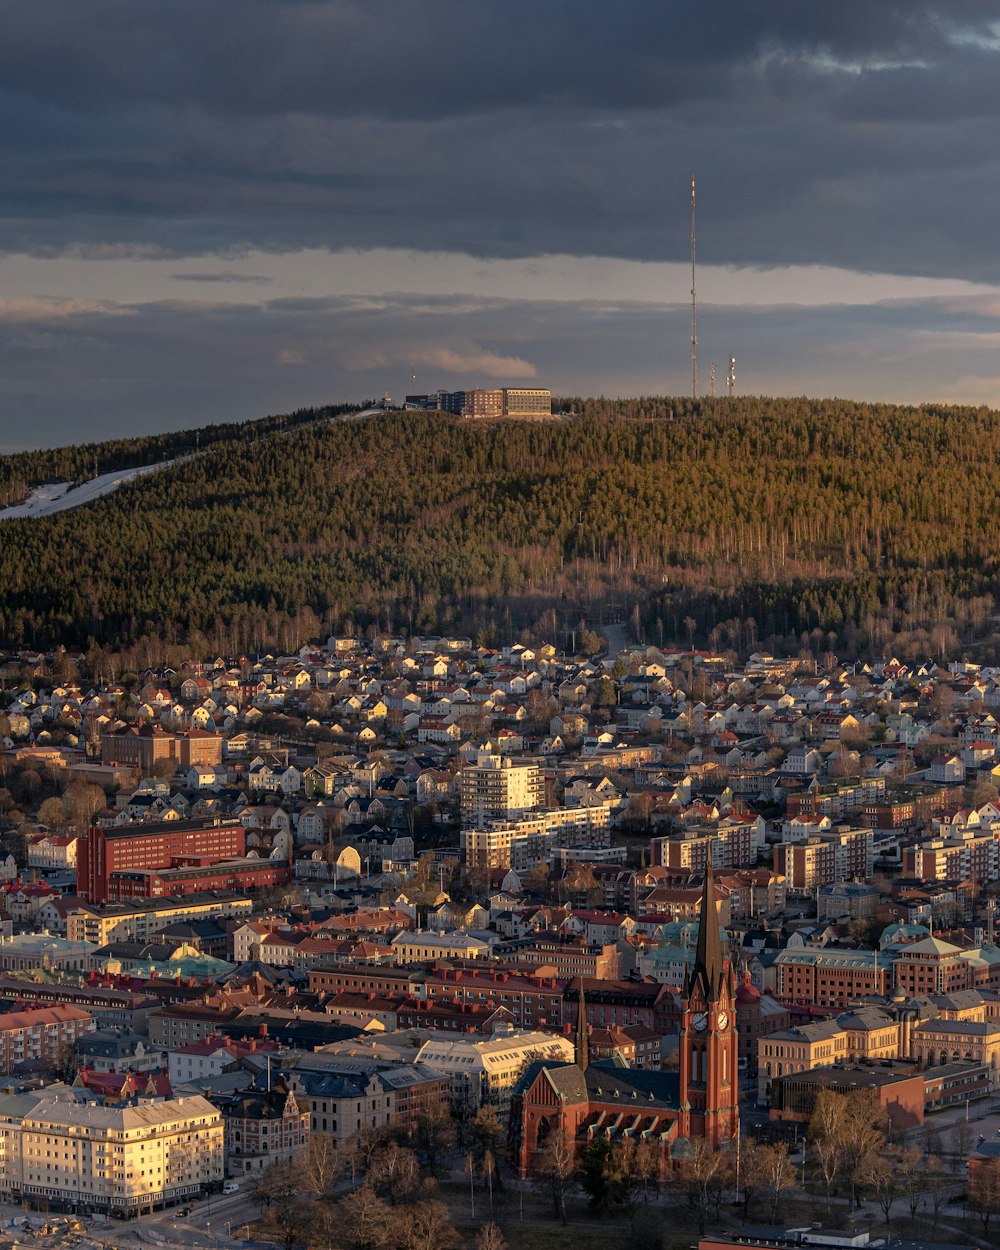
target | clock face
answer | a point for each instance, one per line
(700, 1021)
(723, 1020)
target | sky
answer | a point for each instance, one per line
(218, 209)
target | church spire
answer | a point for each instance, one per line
(708, 966)
(582, 1034)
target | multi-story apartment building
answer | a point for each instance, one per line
(966, 855)
(494, 788)
(932, 966)
(178, 1024)
(345, 1097)
(120, 1009)
(834, 855)
(512, 401)
(569, 956)
(531, 840)
(731, 843)
(914, 807)
(198, 1061)
(420, 947)
(140, 920)
(43, 1035)
(524, 401)
(123, 1159)
(355, 978)
(838, 799)
(532, 1000)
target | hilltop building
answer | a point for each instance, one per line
(509, 401)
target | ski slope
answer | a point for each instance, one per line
(61, 496)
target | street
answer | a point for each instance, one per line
(214, 1218)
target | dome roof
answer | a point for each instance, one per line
(746, 994)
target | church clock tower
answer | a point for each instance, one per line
(709, 1080)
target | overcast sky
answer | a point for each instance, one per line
(217, 209)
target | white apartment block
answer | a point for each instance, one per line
(495, 789)
(127, 1158)
(530, 840)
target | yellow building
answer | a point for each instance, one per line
(126, 1158)
(798, 1049)
(871, 1034)
(137, 922)
(944, 1041)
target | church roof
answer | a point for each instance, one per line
(606, 1082)
(709, 968)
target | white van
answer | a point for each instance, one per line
(230, 1187)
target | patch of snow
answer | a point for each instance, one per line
(61, 496)
(365, 412)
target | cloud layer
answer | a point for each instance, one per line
(160, 363)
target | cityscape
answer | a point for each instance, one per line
(652, 938)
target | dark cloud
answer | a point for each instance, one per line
(857, 134)
(820, 132)
(254, 279)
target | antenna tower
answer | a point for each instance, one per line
(711, 379)
(731, 376)
(694, 305)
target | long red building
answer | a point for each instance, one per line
(123, 862)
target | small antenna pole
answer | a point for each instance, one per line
(711, 379)
(694, 305)
(731, 376)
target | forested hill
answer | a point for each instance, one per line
(83, 461)
(744, 522)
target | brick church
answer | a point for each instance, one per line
(583, 1101)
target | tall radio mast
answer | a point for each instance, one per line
(694, 306)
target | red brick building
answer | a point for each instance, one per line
(231, 874)
(141, 748)
(111, 856)
(580, 1101)
(830, 978)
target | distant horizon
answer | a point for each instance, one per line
(8, 449)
